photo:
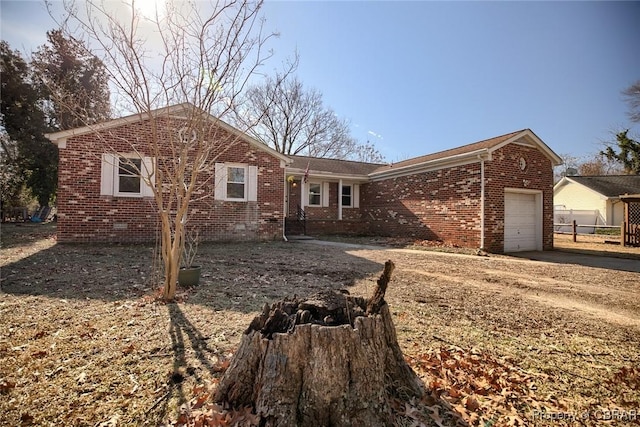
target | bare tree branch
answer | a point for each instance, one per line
(284, 115)
(198, 53)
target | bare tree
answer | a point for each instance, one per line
(283, 114)
(569, 166)
(632, 96)
(599, 165)
(201, 54)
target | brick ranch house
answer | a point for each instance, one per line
(99, 200)
(495, 194)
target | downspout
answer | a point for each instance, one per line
(285, 208)
(482, 199)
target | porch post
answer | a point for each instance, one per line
(340, 200)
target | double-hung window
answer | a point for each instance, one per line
(236, 182)
(124, 175)
(128, 181)
(315, 194)
(347, 196)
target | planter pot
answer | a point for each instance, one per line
(188, 277)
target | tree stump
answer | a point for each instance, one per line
(330, 360)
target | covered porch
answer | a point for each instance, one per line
(323, 196)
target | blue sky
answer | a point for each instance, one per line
(418, 77)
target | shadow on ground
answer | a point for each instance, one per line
(584, 258)
(235, 276)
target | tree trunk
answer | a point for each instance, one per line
(325, 361)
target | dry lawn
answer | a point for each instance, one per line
(498, 340)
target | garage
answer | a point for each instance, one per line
(522, 221)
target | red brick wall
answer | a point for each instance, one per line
(436, 205)
(86, 216)
(445, 204)
(319, 227)
(503, 171)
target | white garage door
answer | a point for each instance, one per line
(520, 222)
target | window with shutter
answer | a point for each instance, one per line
(315, 194)
(346, 196)
(123, 176)
(236, 182)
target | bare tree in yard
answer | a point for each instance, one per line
(201, 54)
(632, 96)
(568, 167)
(283, 114)
(599, 165)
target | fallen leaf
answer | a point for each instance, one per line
(471, 403)
(39, 354)
(222, 365)
(26, 419)
(40, 334)
(6, 386)
(200, 401)
(111, 422)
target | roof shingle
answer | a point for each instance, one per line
(334, 166)
(480, 145)
(610, 185)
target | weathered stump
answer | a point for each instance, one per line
(331, 360)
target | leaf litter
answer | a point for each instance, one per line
(93, 346)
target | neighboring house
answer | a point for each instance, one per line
(100, 200)
(598, 194)
(495, 194)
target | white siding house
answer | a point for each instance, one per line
(596, 193)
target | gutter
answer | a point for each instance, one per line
(457, 160)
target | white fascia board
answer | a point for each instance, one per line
(538, 143)
(133, 118)
(174, 110)
(433, 165)
(558, 185)
(327, 176)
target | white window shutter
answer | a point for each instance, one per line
(147, 179)
(325, 194)
(107, 172)
(220, 182)
(356, 195)
(252, 182)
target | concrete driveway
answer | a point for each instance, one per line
(597, 261)
(556, 256)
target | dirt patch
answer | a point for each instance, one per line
(499, 340)
(595, 245)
